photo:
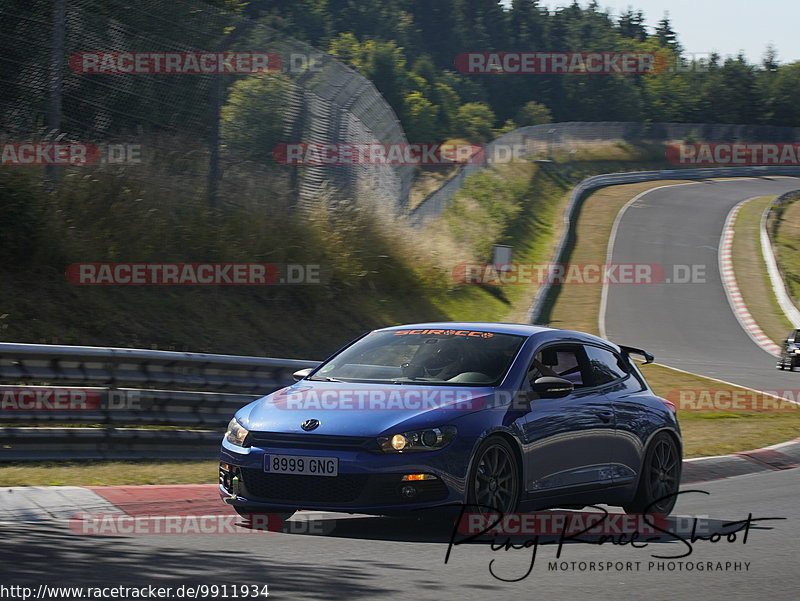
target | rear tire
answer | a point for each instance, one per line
(660, 477)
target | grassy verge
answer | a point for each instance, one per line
(107, 473)
(708, 433)
(786, 241)
(751, 273)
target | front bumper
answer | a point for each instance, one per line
(366, 483)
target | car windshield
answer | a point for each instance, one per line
(425, 356)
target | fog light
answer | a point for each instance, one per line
(414, 477)
(399, 442)
(408, 492)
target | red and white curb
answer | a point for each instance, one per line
(732, 288)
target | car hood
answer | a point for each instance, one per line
(358, 409)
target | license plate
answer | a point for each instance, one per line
(301, 465)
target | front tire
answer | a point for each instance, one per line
(494, 482)
(659, 479)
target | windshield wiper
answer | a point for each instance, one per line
(325, 379)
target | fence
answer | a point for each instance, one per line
(537, 139)
(191, 396)
(176, 118)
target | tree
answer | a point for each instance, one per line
(533, 113)
(770, 59)
(474, 121)
(252, 118)
(347, 49)
(421, 119)
(448, 101)
(784, 96)
(385, 65)
(631, 25)
(667, 36)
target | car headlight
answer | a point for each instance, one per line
(797, 351)
(236, 433)
(430, 439)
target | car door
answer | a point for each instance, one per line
(566, 440)
(613, 377)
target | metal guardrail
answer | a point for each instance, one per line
(612, 179)
(116, 391)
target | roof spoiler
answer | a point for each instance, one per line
(631, 350)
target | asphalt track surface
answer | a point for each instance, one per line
(358, 557)
(338, 556)
(689, 325)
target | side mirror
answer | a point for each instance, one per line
(548, 387)
(302, 373)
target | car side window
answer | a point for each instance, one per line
(605, 366)
(560, 362)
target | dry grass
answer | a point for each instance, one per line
(787, 245)
(103, 473)
(708, 433)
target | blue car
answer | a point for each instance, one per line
(500, 417)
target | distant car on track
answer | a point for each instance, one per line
(503, 417)
(790, 351)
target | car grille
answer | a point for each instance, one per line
(311, 441)
(310, 489)
(343, 490)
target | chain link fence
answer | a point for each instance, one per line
(175, 118)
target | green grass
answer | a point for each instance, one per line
(707, 433)
(786, 241)
(751, 271)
